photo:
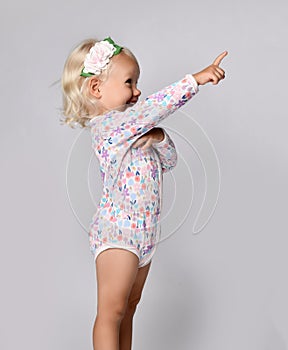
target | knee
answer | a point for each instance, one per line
(113, 311)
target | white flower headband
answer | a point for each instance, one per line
(99, 56)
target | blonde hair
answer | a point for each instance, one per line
(78, 105)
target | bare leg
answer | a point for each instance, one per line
(116, 273)
(134, 298)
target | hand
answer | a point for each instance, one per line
(153, 136)
(212, 73)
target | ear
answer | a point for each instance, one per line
(93, 86)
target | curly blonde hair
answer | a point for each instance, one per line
(78, 105)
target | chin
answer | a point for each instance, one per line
(123, 107)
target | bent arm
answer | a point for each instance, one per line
(167, 152)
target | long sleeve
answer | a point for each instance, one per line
(119, 130)
(167, 152)
(115, 132)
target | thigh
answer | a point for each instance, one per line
(116, 270)
(137, 288)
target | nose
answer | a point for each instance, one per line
(136, 92)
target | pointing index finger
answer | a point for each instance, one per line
(220, 58)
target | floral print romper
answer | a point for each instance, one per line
(128, 213)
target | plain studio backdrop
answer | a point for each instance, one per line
(223, 288)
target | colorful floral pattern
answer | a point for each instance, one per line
(129, 210)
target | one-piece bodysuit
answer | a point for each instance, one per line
(128, 213)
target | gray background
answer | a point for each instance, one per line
(225, 288)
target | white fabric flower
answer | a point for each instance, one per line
(98, 57)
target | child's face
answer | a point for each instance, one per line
(120, 88)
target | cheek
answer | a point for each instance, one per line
(126, 91)
(129, 92)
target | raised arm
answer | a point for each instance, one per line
(120, 129)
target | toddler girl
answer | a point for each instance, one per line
(100, 92)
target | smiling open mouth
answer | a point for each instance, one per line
(132, 101)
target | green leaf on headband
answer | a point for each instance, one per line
(117, 47)
(86, 74)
